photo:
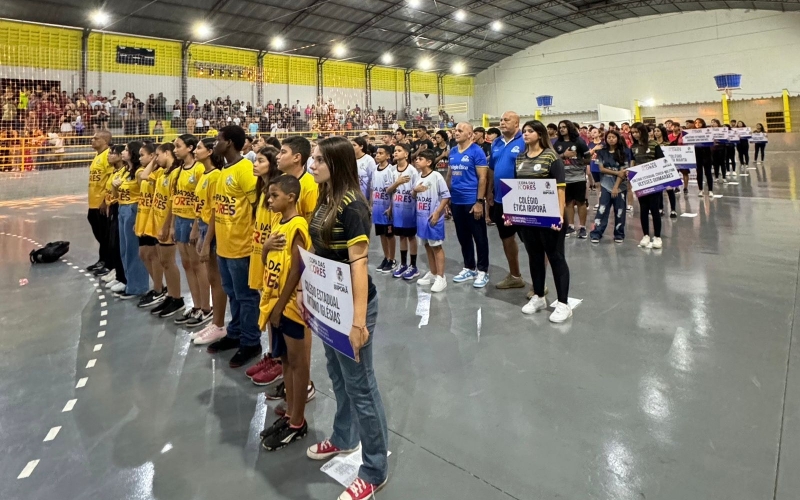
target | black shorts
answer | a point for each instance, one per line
(287, 327)
(407, 232)
(496, 214)
(147, 241)
(576, 191)
(384, 230)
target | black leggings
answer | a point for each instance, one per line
(100, 226)
(730, 158)
(541, 241)
(744, 151)
(703, 158)
(671, 196)
(718, 160)
(760, 146)
(649, 205)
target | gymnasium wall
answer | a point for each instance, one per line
(670, 58)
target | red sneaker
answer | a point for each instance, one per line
(361, 490)
(263, 363)
(325, 450)
(269, 374)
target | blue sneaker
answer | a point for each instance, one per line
(398, 273)
(464, 275)
(411, 273)
(481, 280)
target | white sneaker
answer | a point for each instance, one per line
(119, 287)
(562, 313)
(630, 208)
(427, 279)
(111, 283)
(710, 194)
(481, 280)
(110, 276)
(534, 305)
(439, 284)
(657, 242)
(645, 241)
(700, 194)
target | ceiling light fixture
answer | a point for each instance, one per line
(460, 15)
(99, 17)
(387, 58)
(459, 68)
(277, 43)
(414, 4)
(202, 29)
(339, 50)
(425, 63)
(497, 25)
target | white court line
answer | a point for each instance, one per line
(96, 285)
(101, 298)
(52, 434)
(102, 304)
(86, 274)
(101, 334)
(82, 382)
(97, 289)
(103, 322)
(97, 347)
(74, 267)
(69, 406)
(28, 470)
(103, 313)
(92, 280)
(91, 363)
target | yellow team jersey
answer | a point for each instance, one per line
(110, 197)
(99, 172)
(233, 205)
(279, 262)
(309, 192)
(265, 219)
(130, 188)
(162, 201)
(184, 199)
(204, 195)
(144, 219)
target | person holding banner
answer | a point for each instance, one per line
(540, 161)
(612, 162)
(718, 151)
(676, 139)
(730, 149)
(760, 146)
(339, 232)
(743, 148)
(661, 138)
(703, 157)
(643, 151)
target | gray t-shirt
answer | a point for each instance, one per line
(574, 168)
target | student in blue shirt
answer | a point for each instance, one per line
(469, 169)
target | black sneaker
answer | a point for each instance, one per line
(389, 267)
(160, 307)
(285, 436)
(125, 296)
(245, 354)
(96, 265)
(582, 233)
(382, 265)
(570, 230)
(199, 317)
(156, 298)
(145, 298)
(185, 317)
(101, 271)
(174, 306)
(276, 393)
(223, 344)
(275, 427)
(673, 215)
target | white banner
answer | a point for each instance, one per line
(681, 156)
(698, 137)
(531, 202)
(758, 138)
(653, 177)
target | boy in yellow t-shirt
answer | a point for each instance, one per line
(279, 308)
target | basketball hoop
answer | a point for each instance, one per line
(544, 102)
(728, 82)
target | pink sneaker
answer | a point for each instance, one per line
(202, 332)
(265, 362)
(214, 334)
(361, 490)
(270, 374)
(325, 450)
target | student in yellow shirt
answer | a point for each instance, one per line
(167, 171)
(279, 307)
(119, 282)
(144, 226)
(206, 248)
(292, 160)
(99, 172)
(232, 225)
(182, 215)
(126, 189)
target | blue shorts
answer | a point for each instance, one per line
(203, 231)
(289, 328)
(183, 227)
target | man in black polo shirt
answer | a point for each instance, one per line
(422, 143)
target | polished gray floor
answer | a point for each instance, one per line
(675, 379)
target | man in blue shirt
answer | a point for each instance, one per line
(468, 167)
(502, 163)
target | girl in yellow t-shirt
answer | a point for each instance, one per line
(126, 187)
(118, 279)
(183, 216)
(144, 226)
(266, 169)
(205, 191)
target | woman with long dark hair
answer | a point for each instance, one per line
(339, 231)
(718, 152)
(572, 151)
(661, 137)
(703, 159)
(144, 226)
(743, 147)
(540, 161)
(760, 146)
(612, 162)
(115, 160)
(643, 151)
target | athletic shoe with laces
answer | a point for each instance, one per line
(213, 334)
(645, 241)
(109, 276)
(111, 283)
(223, 344)
(630, 208)
(464, 275)
(269, 374)
(439, 284)
(481, 280)
(411, 273)
(657, 243)
(152, 298)
(96, 265)
(673, 215)
(618, 240)
(582, 234)
(325, 450)
(280, 410)
(244, 355)
(685, 190)
(595, 240)
(361, 490)
(284, 436)
(186, 316)
(711, 194)
(264, 362)
(700, 194)
(511, 282)
(389, 267)
(101, 271)
(174, 306)
(160, 307)
(534, 305)
(200, 317)
(562, 313)
(382, 265)
(597, 206)
(427, 279)
(398, 273)
(125, 296)
(531, 293)
(119, 287)
(148, 296)
(200, 333)
(570, 231)
(276, 392)
(275, 427)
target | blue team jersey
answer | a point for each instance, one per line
(427, 203)
(464, 174)
(404, 207)
(381, 200)
(503, 161)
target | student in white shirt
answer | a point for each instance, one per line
(432, 198)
